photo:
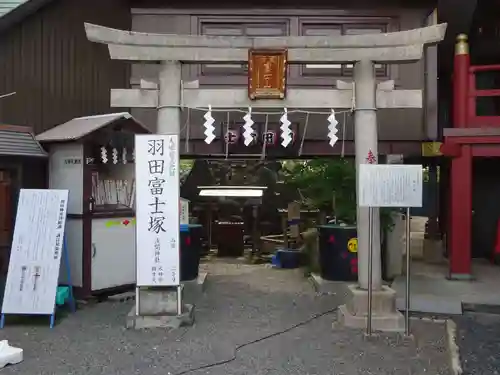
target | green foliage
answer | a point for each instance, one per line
(320, 181)
(185, 165)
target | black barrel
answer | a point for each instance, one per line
(338, 252)
(230, 239)
(190, 252)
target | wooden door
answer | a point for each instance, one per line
(6, 218)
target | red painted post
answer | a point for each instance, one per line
(461, 67)
(461, 171)
(461, 215)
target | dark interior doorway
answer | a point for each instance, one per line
(6, 219)
(485, 206)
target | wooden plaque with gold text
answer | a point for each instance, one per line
(267, 74)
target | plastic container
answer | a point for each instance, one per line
(288, 258)
(338, 252)
(230, 239)
(190, 251)
(62, 295)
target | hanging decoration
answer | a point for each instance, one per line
(209, 128)
(104, 155)
(267, 137)
(332, 128)
(114, 153)
(248, 134)
(124, 155)
(286, 131)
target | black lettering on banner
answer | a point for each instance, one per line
(60, 217)
(156, 206)
(156, 147)
(57, 248)
(153, 274)
(24, 269)
(157, 250)
(156, 166)
(160, 274)
(156, 185)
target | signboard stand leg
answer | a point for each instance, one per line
(179, 300)
(370, 271)
(71, 299)
(137, 291)
(407, 294)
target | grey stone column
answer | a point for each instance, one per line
(366, 140)
(169, 117)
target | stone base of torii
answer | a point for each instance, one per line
(170, 95)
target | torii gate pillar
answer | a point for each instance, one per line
(366, 148)
(169, 91)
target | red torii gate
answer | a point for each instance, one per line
(471, 136)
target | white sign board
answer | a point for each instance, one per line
(157, 210)
(184, 208)
(383, 185)
(35, 256)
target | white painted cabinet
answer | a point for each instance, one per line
(113, 252)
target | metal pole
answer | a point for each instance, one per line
(137, 301)
(179, 299)
(370, 271)
(407, 294)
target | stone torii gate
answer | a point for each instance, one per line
(170, 95)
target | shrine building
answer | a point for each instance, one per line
(57, 74)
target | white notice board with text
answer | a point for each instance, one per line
(389, 185)
(157, 210)
(184, 211)
(36, 252)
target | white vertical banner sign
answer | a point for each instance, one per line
(157, 210)
(384, 185)
(36, 252)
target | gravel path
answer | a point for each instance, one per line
(479, 342)
(242, 303)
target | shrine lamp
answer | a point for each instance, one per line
(232, 191)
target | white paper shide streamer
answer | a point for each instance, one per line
(115, 156)
(286, 131)
(332, 129)
(209, 128)
(248, 130)
(124, 155)
(104, 155)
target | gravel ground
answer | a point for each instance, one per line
(242, 303)
(479, 342)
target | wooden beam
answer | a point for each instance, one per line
(425, 35)
(238, 98)
(240, 55)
